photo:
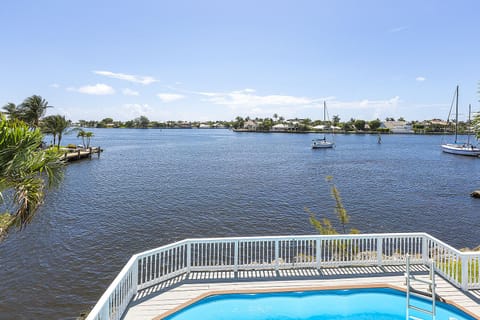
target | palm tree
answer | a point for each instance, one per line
(32, 109)
(57, 126)
(11, 110)
(48, 127)
(25, 171)
(61, 127)
(89, 136)
(82, 133)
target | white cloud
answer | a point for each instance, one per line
(247, 98)
(247, 102)
(127, 77)
(170, 97)
(136, 109)
(98, 89)
(55, 85)
(130, 92)
(420, 79)
(398, 29)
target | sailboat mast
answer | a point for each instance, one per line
(324, 118)
(456, 117)
(468, 127)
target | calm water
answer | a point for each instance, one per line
(153, 187)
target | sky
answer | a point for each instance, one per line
(215, 60)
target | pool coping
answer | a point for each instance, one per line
(295, 289)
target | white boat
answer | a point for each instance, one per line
(322, 143)
(463, 149)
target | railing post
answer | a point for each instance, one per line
(319, 253)
(135, 277)
(189, 256)
(464, 260)
(277, 250)
(105, 315)
(379, 251)
(425, 255)
(235, 256)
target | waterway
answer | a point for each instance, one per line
(152, 187)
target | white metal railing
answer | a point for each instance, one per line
(284, 252)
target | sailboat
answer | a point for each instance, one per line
(464, 149)
(322, 143)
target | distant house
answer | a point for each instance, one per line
(320, 127)
(204, 126)
(437, 122)
(397, 126)
(280, 127)
(250, 125)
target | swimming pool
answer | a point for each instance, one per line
(358, 304)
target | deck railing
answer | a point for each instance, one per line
(278, 253)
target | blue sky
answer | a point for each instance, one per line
(214, 60)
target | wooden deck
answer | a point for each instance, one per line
(81, 154)
(160, 300)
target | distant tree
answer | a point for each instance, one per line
(25, 172)
(335, 120)
(141, 122)
(275, 116)
(374, 124)
(401, 119)
(267, 124)
(32, 109)
(307, 122)
(389, 119)
(359, 124)
(239, 122)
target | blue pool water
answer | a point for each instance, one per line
(358, 304)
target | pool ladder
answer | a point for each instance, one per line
(430, 295)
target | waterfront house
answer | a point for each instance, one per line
(280, 127)
(320, 127)
(397, 126)
(250, 125)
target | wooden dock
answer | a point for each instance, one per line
(77, 154)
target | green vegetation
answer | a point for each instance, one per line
(26, 171)
(325, 226)
(453, 268)
(55, 125)
(30, 110)
(85, 135)
(476, 125)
